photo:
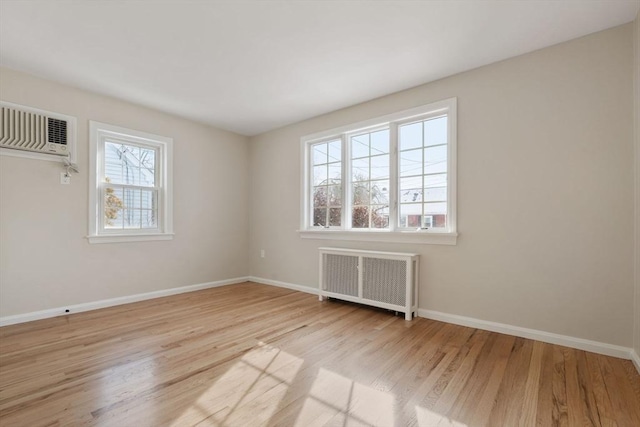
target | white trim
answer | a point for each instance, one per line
(635, 359)
(548, 337)
(417, 237)
(292, 286)
(394, 255)
(88, 306)
(119, 238)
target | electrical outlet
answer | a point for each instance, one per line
(65, 178)
(263, 253)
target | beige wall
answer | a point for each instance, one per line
(545, 195)
(46, 261)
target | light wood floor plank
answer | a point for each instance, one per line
(256, 355)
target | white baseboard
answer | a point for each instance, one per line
(548, 337)
(636, 360)
(306, 289)
(78, 308)
(578, 343)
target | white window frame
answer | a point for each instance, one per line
(445, 236)
(99, 132)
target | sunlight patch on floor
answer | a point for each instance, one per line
(427, 418)
(257, 383)
(338, 400)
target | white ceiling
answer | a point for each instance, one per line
(252, 66)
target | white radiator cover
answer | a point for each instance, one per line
(380, 279)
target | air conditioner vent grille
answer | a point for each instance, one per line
(29, 129)
(57, 131)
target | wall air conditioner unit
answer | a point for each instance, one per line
(34, 133)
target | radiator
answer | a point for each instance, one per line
(380, 279)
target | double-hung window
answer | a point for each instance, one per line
(130, 196)
(392, 178)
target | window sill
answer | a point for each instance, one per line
(122, 238)
(422, 238)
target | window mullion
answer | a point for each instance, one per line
(346, 183)
(310, 211)
(422, 219)
(393, 176)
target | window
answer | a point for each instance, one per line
(386, 179)
(130, 196)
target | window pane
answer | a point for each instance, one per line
(435, 208)
(113, 204)
(436, 221)
(319, 217)
(132, 218)
(411, 215)
(360, 217)
(148, 199)
(320, 175)
(379, 192)
(411, 182)
(435, 131)
(359, 146)
(439, 180)
(113, 218)
(335, 172)
(335, 195)
(129, 164)
(319, 196)
(410, 136)
(335, 217)
(380, 167)
(147, 177)
(380, 142)
(379, 216)
(360, 169)
(149, 218)
(411, 195)
(133, 155)
(437, 194)
(113, 174)
(361, 194)
(148, 159)
(320, 154)
(113, 162)
(132, 198)
(335, 151)
(130, 174)
(411, 162)
(435, 159)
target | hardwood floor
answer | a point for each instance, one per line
(252, 355)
